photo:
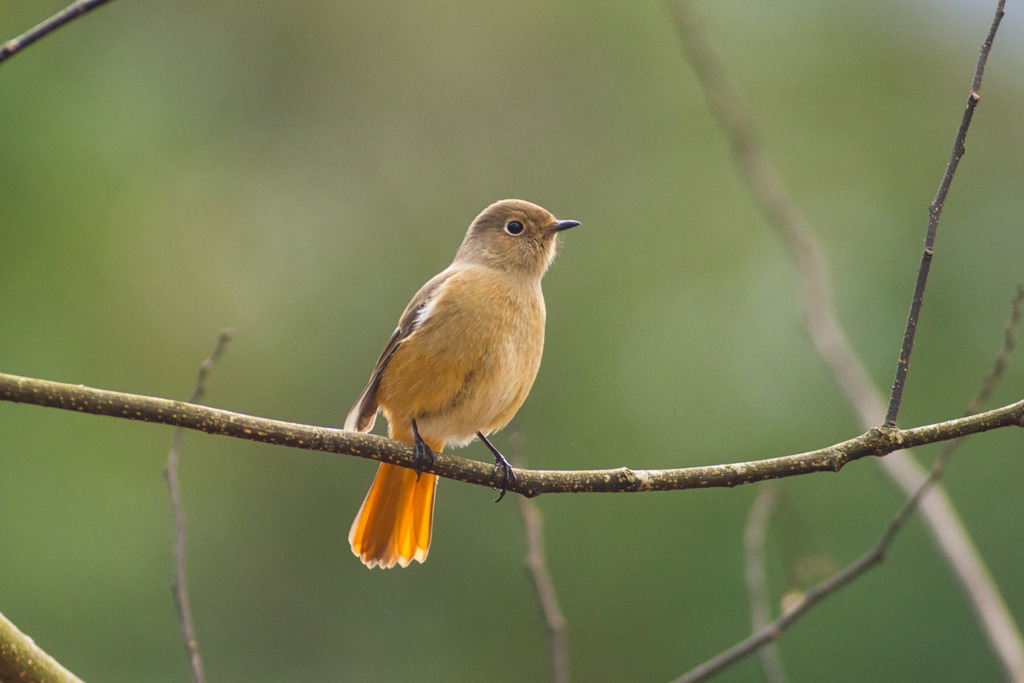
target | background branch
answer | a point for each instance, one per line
(180, 588)
(756, 578)
(72, 11)
(547, 597)
(540, 574)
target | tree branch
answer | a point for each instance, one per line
(879, 441)
(540, 574)
(22, 660)
(934, 215)
(180, 587)
(756, 579)
(72, 11)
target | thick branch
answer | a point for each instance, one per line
(529, 483)
(22, 660)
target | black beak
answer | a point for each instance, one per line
(564, 225)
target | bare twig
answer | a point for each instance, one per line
(536, 563)
(771, 632)
(72, 11)
(180, 588)
(934, 215)
(22, 660)
(1009, 343)
(540, 575)
(938, 512)
(874, 442)
(756, 580)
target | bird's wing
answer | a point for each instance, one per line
(364, 412)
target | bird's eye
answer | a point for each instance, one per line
(514, 227)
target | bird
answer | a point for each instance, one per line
(458, 366)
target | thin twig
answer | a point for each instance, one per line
(757, 580)
(72, 11)
(937, 510)
(934, 215)
(540, 575)
(771, 632)
(874, 442)
(1009, 343)
(536, 563)
(180, 588)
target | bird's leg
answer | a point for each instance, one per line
(422, 451)
(500, 463)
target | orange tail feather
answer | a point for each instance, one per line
(393, 525)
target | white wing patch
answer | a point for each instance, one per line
(427, 308)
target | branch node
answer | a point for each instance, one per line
(628, 476)
(891, 438)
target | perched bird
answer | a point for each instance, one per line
(459, 365)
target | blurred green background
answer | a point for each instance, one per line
(296, 170)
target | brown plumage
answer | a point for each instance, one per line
(462, 360)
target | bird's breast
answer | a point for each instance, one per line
(470, 364)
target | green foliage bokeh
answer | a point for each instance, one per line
(296, 170)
